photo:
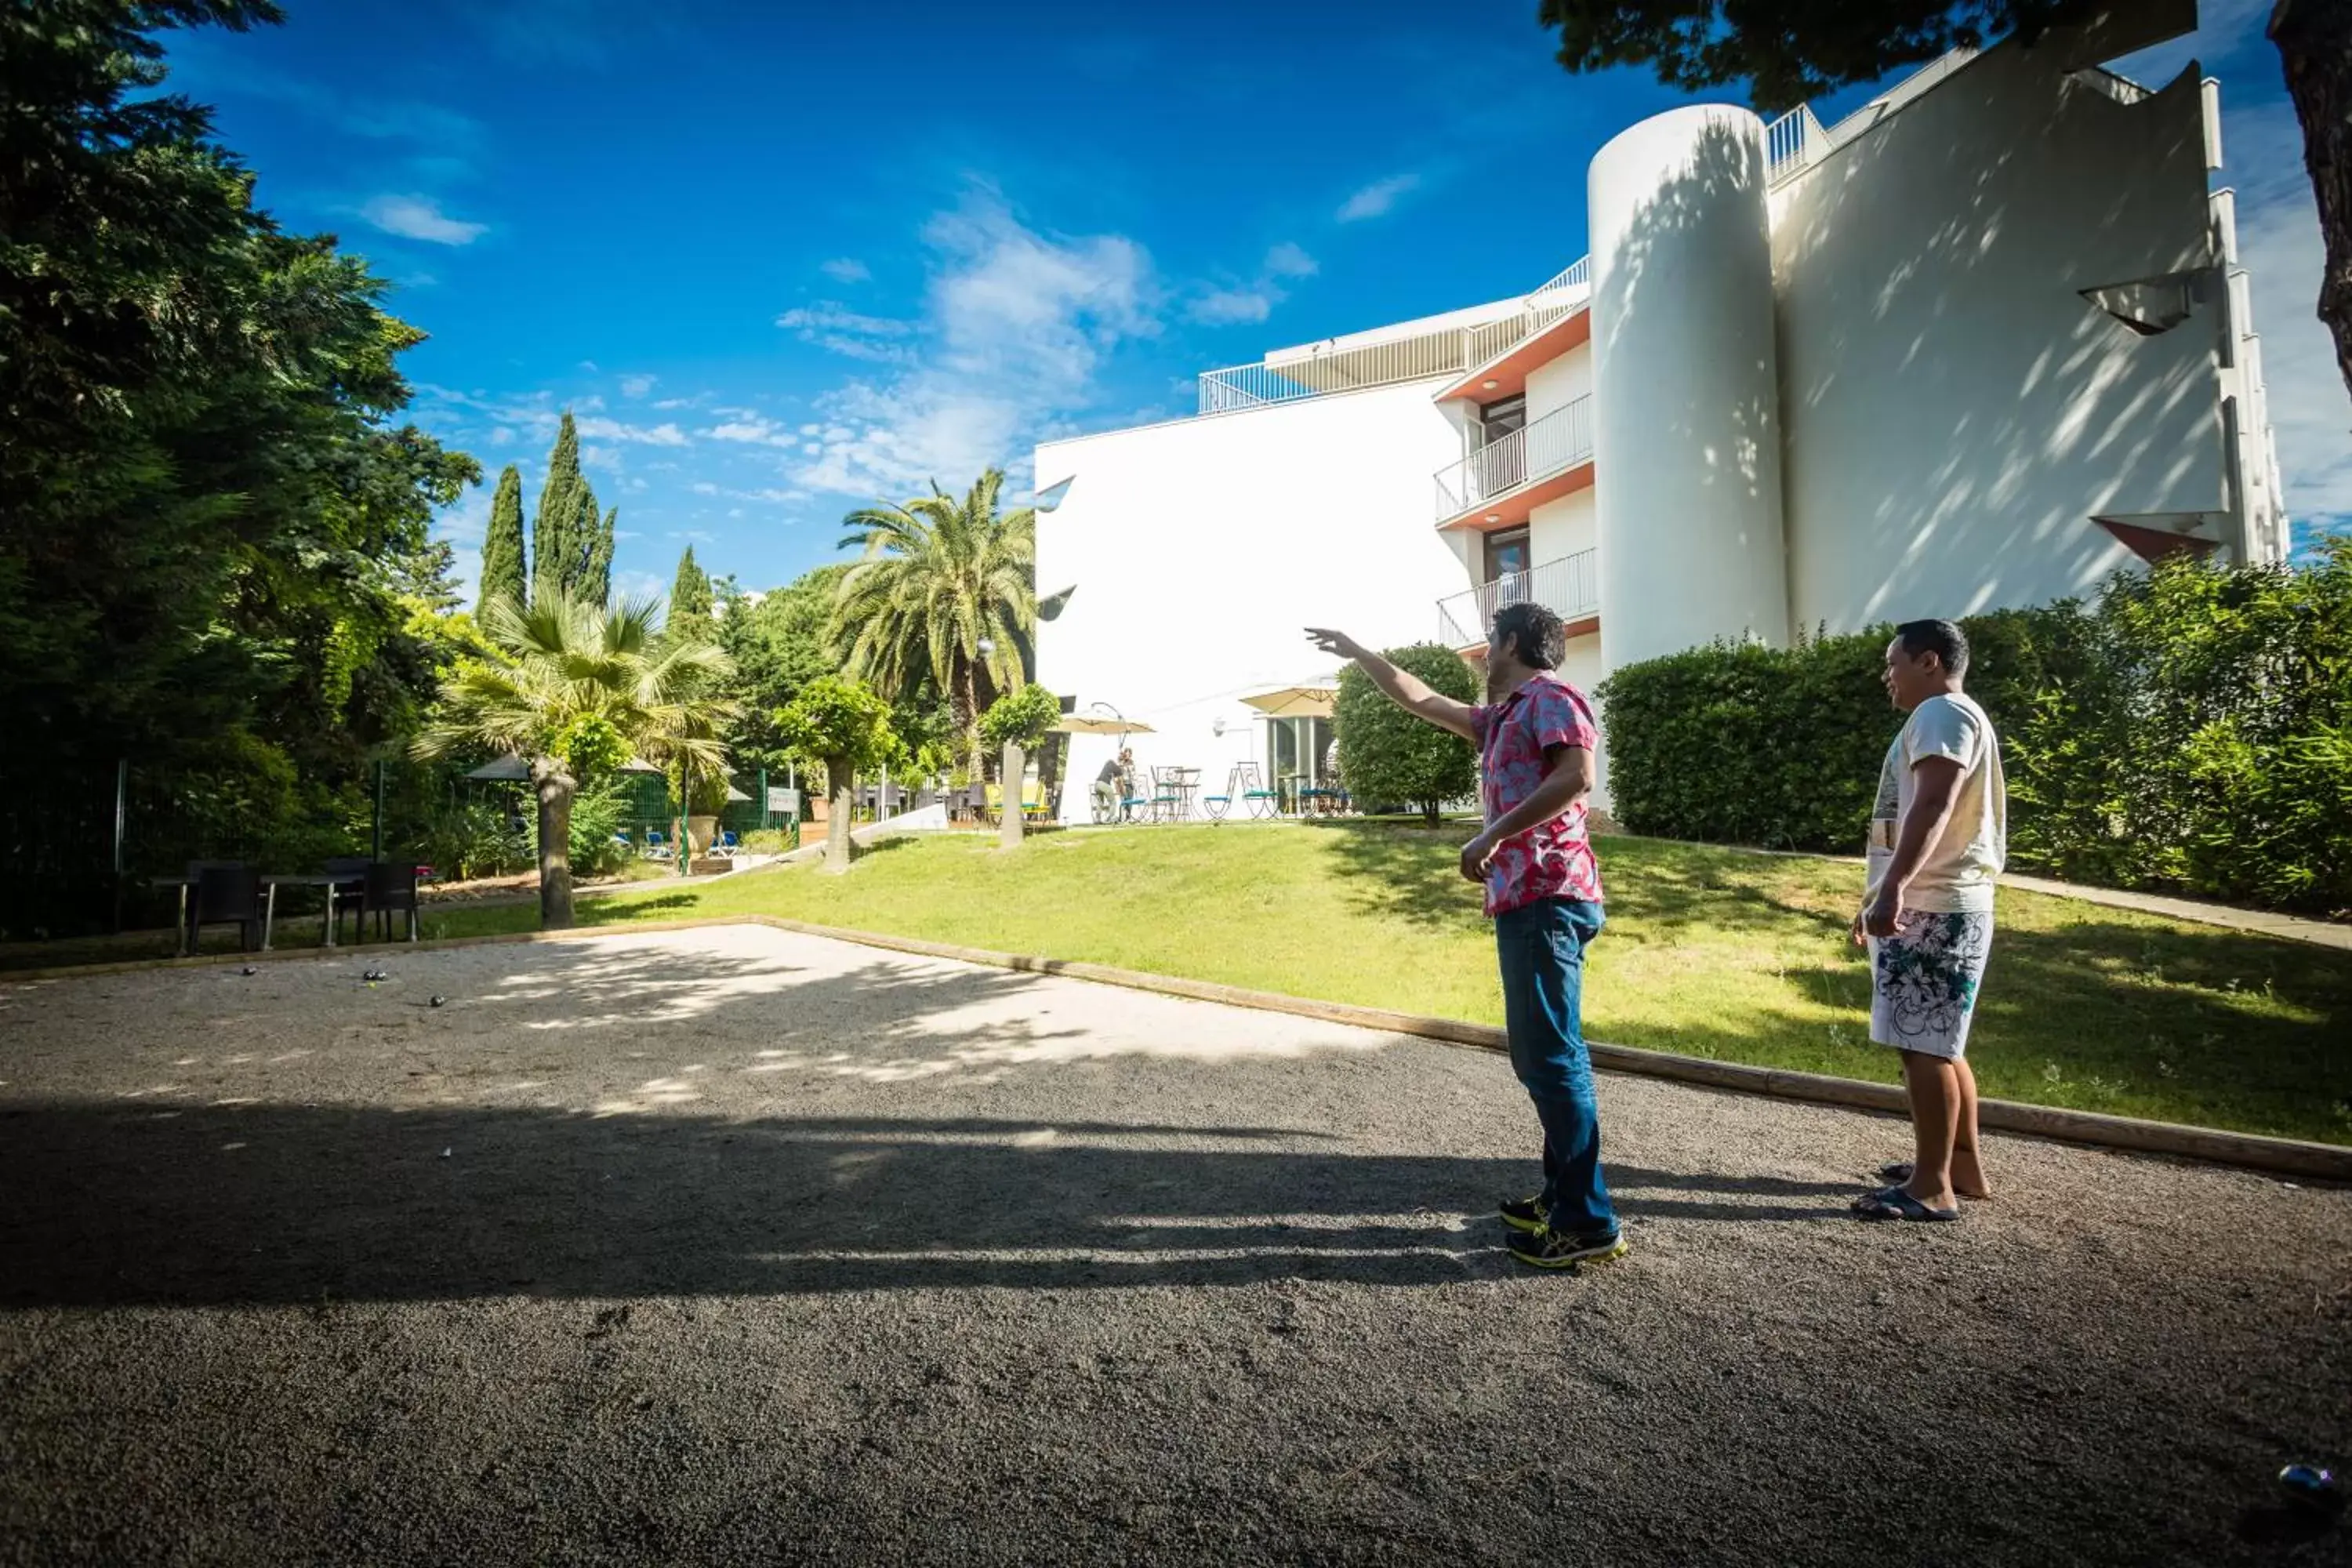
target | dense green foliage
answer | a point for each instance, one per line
(2190, 730)
(946, 590)
(839, 724)
(779, 645)
(1387, 756)
(208, 514)
(690, 600)
(1020, 718)
(504, 574)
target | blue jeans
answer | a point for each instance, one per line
(1542, 946)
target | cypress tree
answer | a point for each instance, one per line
(690, 598)
(502, 574)
(596, 569)
(555, 534)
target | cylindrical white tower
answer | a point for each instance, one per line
(1686, 429)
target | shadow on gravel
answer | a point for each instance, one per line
(283, 1204)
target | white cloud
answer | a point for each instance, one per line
(601, 429)
(638, 585)
(848, 333)
(1290, 260)
(704, 488)
(1254, 301)
(502, 436)
(673, 401)
(846, 269)
(606, 458)
(1016, 326)
(751, 428)
(1377, 197)
(638, 386)
(1226, 306)
(420, 217)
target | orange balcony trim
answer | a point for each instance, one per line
(1508, 370)
(1511, 508)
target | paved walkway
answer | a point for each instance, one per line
(734, 1244)
(2265, 923)
(2290, 927)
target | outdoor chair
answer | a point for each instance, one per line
(1244, 788)
(350, 872)
(392, 887)
(657, 844)
(226, 895)
(1166, 795)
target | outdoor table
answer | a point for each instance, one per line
(270, 883)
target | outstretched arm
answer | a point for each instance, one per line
(1406, 691)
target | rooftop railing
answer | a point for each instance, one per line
(1449, 352)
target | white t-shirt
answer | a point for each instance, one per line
(1958, 871)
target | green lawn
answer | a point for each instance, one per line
(1711, 953)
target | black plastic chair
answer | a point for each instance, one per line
(350, 872)
(226, 895)
(392, 887)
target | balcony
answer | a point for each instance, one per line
(1499, 484)
(1570, 586)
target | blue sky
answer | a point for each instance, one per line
(782, 260)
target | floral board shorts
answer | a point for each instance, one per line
(1923, 981)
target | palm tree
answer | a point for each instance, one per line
(948, 590)
(570, 671)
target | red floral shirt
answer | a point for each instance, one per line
(1553, 859)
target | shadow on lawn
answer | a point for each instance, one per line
(1408, 870)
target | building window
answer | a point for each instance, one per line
(1506, 553)
(1500, 417)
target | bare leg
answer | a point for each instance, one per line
(1935, 1124)
(1967, 1172)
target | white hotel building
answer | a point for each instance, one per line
(1976, 345)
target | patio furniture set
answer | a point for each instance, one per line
(229, 892)
(1173, 794)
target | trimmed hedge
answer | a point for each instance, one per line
(2190, 730)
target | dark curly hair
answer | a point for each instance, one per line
(1541, 636)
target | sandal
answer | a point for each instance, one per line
(1894, 1203)
(1897, 1172)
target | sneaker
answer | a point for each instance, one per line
(1549, 1249)
(1524, 1213)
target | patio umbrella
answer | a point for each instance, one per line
(1296, 702)
(1078, 724)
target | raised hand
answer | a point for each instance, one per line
(1335, 642)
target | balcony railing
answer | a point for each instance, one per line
(1561, 440)
(1447, 352)
(1570, 586)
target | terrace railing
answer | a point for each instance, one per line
(1561, 440)
(1570, 586)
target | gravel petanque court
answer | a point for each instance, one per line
(732, 1245)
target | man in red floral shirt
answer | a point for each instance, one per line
(1535, 741)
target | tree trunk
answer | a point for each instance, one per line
(1429, 810)
(1008, 833)
(963, 705)
(554, 787)
(1049, 772)
(2315, 45)
(841, 799)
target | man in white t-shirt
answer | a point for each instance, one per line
(1937, 838)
